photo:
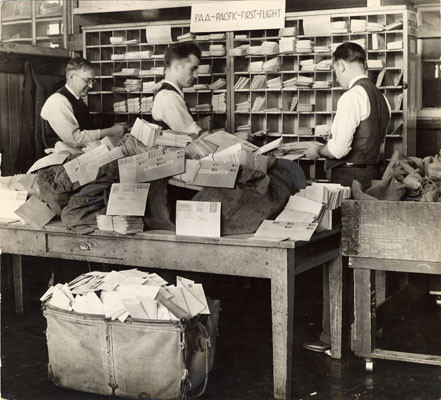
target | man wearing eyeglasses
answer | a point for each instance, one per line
(67, 113)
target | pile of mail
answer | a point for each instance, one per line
(186, 37)
(308, 210)
(374, 26)
(259, 104)
(304, 46)
(118, 295)
(243, 106)
(145, 132)
(269, 48)
(288, 31)
(169, 138)
(146, 104)
(258, 82)
(205, 122)
(242, 83)
(358, 25)
(272, 65)
(204, 69)
(219, 103)
(151, 86)
(324, 65)
(217, 50)
(290, 83)
(133, 85)
(218, 84)
(254, 50)
(255, 66)
(307, 65)
(121, 40)
(205, 107)
(127, 72)
(137, 55)
(274, 83)
(200, 86)
(321, 84)
(339, 27)
(134, 105)
(239, 50)
(287, 45)
(321, 49)
(120, 223)
(120, 107)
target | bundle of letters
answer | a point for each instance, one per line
(138, 55)
(339, 27)
(290, 83)
(287, 45)
(307, 65)
(307, 211)
(304, 81)
(124, 224)
(200, 86)
(218, 84)
(321, 49)
(242, 83)
(204, 69)
(259, 104)
(205, 122)
(151, 86)
(169, 138)
(294, 102)
(219, 103)
(134, 105)
(254, 50)
(117, 57)
(258, 82)
(374, 27)
(321, 84)
(269, 48)
(304, 46)
(239, 50)
(272, 65)
(146, 104)
(122, 40)
(274, 83)
(324, 65)
(120, 107)
(118, 295)
(133, 85)
(127, 72)
(145, 132)
(244, 106)
(186, 37)
(217, 50)
(358, 25)
(206, 107)
(255, 66)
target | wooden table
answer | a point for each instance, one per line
(231, 255)
(381, 236)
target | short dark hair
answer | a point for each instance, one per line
(78, 63)
(350, 52)
(179, 51)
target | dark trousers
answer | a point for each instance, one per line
(344, 175)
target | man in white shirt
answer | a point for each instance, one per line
(67, 113)
(360, 124)
(353, 150)
(169, 107)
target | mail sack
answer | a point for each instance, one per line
(137, 359)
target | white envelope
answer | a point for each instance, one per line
(198, 218)
(163, 166)
(128, 199)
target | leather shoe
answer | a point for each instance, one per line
(317, 346)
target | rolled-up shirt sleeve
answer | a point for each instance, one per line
(59, 113)
(170, 108)
(352, 108)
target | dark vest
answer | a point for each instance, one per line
(371, 132)
(167, 86)
(80, 110)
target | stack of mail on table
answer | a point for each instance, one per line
(269, 48)
(272, 65)
(304, 46)
(258, 82)
(219, 103)
(120, 107)
(129, 293)
(287, 45)
(274, 83)
(119, 223)
(217, 50)
(133, 85)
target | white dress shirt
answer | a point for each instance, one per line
(170, 107)
(58, 111)
(352, 108)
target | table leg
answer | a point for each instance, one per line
(18, 283)
(365, 311)
(282, 306)
(335, 268)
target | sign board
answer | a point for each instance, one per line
(237, 15)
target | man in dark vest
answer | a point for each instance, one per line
(169, 107)
(353, 150)
(67, 113)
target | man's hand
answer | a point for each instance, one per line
(312, 152)
(117, 130)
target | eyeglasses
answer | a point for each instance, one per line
(89, 81)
